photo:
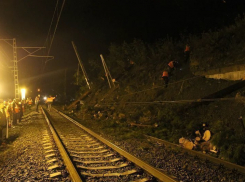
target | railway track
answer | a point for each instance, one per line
(89, 157)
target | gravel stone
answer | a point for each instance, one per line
(23, 157)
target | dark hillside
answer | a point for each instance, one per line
(219, 49)
(141, 98)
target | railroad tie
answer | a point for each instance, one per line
(54, 175)
(110, 174)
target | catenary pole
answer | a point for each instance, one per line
(108, 74)
(16, 75)
(81, 65)
(15, 61)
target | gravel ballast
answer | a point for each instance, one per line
(24, 157)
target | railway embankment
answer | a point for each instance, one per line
(140, 104)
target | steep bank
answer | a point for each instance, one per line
(140, 97)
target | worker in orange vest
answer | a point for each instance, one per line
(187, 53)
(171, 66)
(165, 78)
(49, 101)
(29, 102)
(16, 111)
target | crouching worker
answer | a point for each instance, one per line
(49, 101)
(3, 123)
(165, 78)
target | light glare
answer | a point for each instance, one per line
(23, 94)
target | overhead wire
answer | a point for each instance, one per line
(56, 27)
(54, 32)
(3, 63)
(51, 23)
(5, 54)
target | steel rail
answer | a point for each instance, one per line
(75, 177)
(148, 168)
(203, 156)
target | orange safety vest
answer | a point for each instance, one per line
(187, 48)
(50, 99)
(16, 108)
(30, 102)
(165, 74)
(171, 64)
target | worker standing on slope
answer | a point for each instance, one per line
(49, 101)
(187, 53)
(171, 66)
(165, 78)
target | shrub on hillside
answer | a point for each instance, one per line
(229, 140)
(120, 55)
(219, 49)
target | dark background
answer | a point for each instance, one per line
(93, 25)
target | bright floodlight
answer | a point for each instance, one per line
(45, 98)
(23, 93)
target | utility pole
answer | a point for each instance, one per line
(15, 60)
(81, 65)
(16, 75)
(107, 72)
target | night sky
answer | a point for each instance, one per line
(94, 24)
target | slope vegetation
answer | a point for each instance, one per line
(139, 103)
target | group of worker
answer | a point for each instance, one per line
(11, 112)
(173, 65)
(48, 101)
